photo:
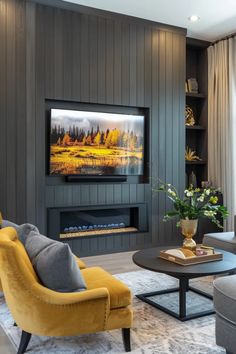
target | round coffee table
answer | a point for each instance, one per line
(149, 259)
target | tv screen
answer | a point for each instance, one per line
(96, 143)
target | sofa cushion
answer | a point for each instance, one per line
(22, 230)
(54, 263)
(96, 277)
(223, 240)
(225, 297)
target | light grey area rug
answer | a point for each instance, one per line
(153, 330)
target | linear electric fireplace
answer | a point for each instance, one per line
(73, 223)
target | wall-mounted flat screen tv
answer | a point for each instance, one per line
(96, 143)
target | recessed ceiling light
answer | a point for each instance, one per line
(194, 18)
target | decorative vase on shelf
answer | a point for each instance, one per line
(188, 230)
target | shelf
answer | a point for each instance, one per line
(196, 135)
(195, 162)
(194, 127)
(195, 95)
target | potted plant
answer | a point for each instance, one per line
(196, 203)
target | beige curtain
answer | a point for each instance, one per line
(222, 122)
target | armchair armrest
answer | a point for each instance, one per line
(61, 314)
(57, 298)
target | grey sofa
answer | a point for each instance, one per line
(223, 240)
(225, 306)
(224, 293)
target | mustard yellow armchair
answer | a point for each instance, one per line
(105, 305)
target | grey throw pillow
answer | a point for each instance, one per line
(22, 230)
(6, 223)
(54, 263)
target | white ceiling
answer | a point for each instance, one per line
(217, 17)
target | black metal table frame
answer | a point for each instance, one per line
(182, 289)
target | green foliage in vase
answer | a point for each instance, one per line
(196, 203)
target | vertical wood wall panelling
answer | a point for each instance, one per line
(20, 123)
(84, 194)
(109, 194)
(93, 194)
(125, 193)
(140, 65)
(50, 196)
(49, 53)
(133, 64)
(3, 109)
(125, 64)
(101, 60)
(154, 135)
(67, 54)
(31, 112)
(102, 194)
(93, 59)
(89, 58)
(117, 62)
(169, 156)
(148, 103)
(109, 61)
(40, 138)
(117, 194)
(162, 92)
(140, 88)
(11, 132)
(84, 83)
(58, 54)
(58, 196)
(109, 200)
(76, 56)
(133, 193)
(76, 195)
(68, 191)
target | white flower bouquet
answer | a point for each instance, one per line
(196, 203)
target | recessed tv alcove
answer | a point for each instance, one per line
(94, 221)
(89, 142)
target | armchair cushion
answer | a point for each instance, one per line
(54, 263)
(80, 263)
(96, 277)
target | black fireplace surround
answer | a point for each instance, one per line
(94, 221)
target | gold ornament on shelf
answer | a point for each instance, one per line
(189, 116)
(190, 155)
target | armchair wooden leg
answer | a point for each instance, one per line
(126, 339)
(24, 341)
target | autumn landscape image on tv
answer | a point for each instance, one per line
(96, 143)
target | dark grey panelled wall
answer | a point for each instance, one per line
(12, 110)
(89, 56)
